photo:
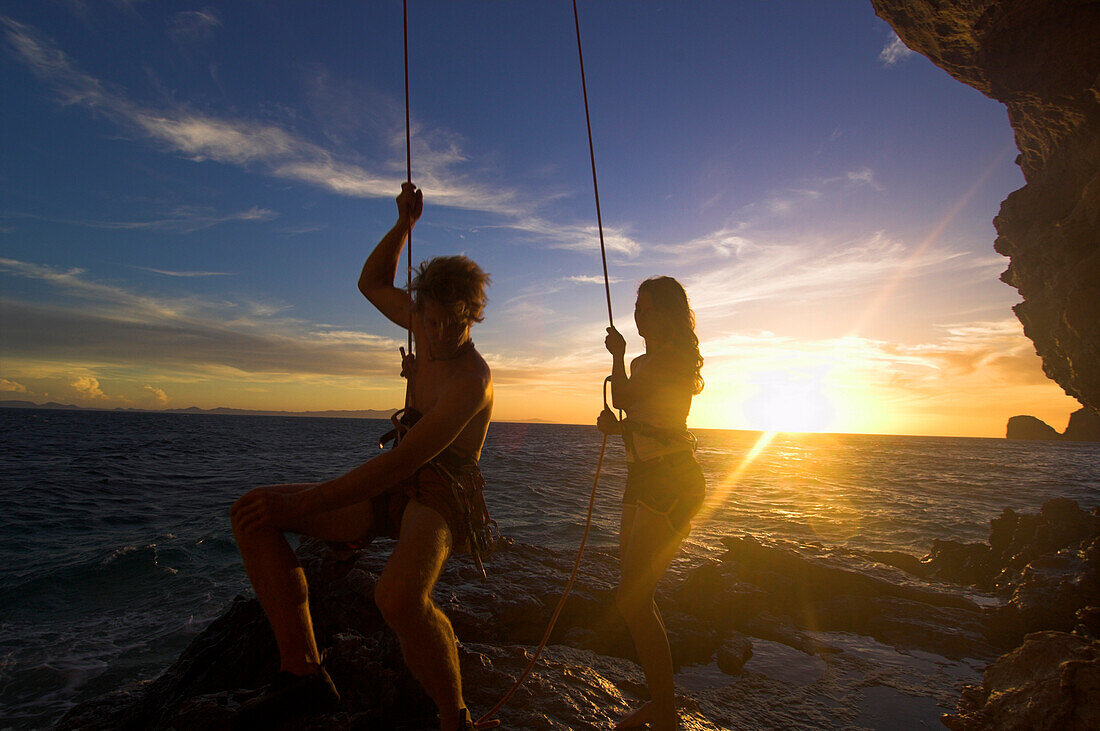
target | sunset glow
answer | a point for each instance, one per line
(789, 402)
(187, 197)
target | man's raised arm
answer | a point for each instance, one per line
(376, 282)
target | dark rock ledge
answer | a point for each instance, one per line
(778, 599)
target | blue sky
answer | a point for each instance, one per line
(189, 191)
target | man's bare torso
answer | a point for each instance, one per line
(468, 371)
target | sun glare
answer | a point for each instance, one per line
(786, 402)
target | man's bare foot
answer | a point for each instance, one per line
(638, 718)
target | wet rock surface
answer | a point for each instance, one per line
(733, 653)
(1052, 681)
(768, 634)
(1046, 565)
(1041, 58)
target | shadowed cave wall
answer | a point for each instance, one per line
(1041, 59)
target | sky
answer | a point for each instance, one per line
(188, 192)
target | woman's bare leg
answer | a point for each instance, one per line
(648, 550)
(639, 717)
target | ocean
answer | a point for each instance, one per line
(116, 549)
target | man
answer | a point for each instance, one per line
(422, 492)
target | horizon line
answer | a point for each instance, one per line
(347, 414)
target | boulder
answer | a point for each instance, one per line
(733, 653)
(1015, 540)
(1050, 683)
(960, 563)
(1050, 593)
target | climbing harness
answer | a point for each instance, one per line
(466, 485)
(487, 720)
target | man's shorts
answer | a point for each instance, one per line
(432, 486)
(429, 487)
(671, 485)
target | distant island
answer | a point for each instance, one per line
(1084, 426)
(223, 411)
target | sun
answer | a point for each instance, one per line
(788, 402)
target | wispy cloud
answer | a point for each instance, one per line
(9, 386)
(188, 220)
(787, 202)
(580, 237)
(590, 279)
(894, 51)
(812, 269)
(192, 25)
(724, 243)
(863, 176)
(92, 322)
(997, 350)
(998, 347)
(182, 219)
(169, 273)
(251, 144)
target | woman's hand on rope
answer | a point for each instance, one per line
(408, 364)
(410, 204)
(615, 343)
(608, 423)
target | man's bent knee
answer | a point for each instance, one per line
(235, 512)
(400, 607)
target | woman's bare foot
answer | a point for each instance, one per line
(637, 719)
(664, 720)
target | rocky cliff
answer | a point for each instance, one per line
(1041, 58)
(1084, 426)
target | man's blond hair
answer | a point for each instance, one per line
(456, 283)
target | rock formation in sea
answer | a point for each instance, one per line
(1084, 426)
(829, 608)
(1031, 428)
(1041, 58)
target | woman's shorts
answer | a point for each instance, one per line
(671, 485)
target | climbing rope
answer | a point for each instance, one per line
(592, 157)
(408, 161)
(487, 720)
(484, 721)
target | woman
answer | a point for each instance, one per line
(664, 484)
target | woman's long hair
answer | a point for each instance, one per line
(671, 301)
